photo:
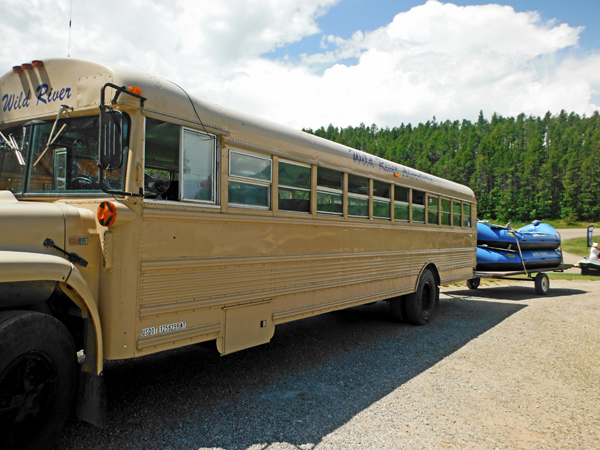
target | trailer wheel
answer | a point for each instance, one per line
(420, 305)
(37, 379)
(542, 283)
(473, 283)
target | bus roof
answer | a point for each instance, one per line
(38, 92)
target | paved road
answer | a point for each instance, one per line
(500, 367)
(572, 233)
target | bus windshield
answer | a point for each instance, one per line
(56, 158)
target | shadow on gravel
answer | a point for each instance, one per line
(522, 292)
(314, 376)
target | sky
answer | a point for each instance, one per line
(311, 63)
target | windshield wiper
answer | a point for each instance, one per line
(50, 138)
(12, 144)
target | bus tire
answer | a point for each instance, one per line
(37, 379)
(397, 307)
(542, 283)
(473, 283)
(420, 305)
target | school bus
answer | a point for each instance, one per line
(136, 218)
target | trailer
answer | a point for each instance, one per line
(541, 280)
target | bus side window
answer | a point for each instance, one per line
(432, 210)
(381, 200)
(198, 166)
(446, 211)
(294, 186)
(358, 196)
(401, 203)
(456, 208)
(418, 206)
(161, 160)
(250, 178)
(329, 191)
(466, 215)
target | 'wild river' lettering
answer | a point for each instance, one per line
(43, 93)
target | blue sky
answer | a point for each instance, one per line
(309, 63)
(350, 15)
(344, 18)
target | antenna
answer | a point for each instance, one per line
(70, 18)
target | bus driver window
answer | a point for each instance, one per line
(171, 177)
(161, 160)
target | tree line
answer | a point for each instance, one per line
(521, 169)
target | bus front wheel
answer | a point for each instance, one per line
(420, 305)
(37, 379)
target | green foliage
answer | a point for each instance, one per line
(521, 168)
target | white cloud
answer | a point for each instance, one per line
(436, 59)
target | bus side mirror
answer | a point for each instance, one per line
(111, 139)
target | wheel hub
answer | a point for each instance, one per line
(27, 387)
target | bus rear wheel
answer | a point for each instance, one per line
(420, 305)
(37, 379)
(473, 283)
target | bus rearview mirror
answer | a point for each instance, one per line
(111, 139)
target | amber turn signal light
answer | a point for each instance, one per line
(107, 213)
(135, 90)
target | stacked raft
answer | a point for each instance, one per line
(503, 249)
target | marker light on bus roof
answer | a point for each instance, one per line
(17, 69)
(26, 66)
(136, 90)
(37, 63)
(396, 175)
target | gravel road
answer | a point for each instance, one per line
(499, 367)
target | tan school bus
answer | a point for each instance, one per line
(135, 218)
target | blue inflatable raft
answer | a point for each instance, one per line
(536, 236)
(489, 260)
(503, 249)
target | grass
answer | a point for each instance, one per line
(572, 276)
(577, 246)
